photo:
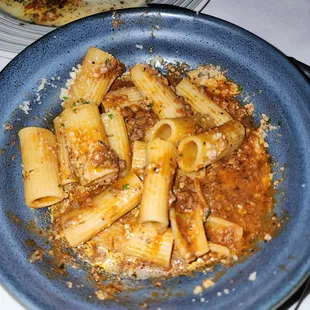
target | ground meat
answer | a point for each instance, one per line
(104, 157)
(138, 121)
(186, 196)
(232, 106)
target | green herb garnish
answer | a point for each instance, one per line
(150, 105)
(240, 89)
(107, 61)
(65, 98)
(110, 115)
(279, 123)
(126, 186)
(182, 216)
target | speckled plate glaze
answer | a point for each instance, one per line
(280, 91)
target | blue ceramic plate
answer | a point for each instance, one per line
(277, 89)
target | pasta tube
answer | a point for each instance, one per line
(189, 233)
(122, 97)
(66, 171)
(148, 245)
(172, 130)
(165, 103)
(116, 131)
(92, 159)
(161, 165)
(201, 103)
(215, 226)
(219, 249)
(98, 72)
(200, 174)
(40, 167)
(82, 224)
(198, 151)
(139, 157)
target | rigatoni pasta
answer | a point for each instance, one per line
(66, 171)
(122, 97)
(165, 103)
(189, 234)
(98, 72)
(81, 224)
(40, 167)
(116, 131)
(216, 226)
(91, 157)
(147, 244)
(198, 151)
(200, 174)
(139, 150)
(160, 169)
(201, 103)
(172, 130)
(219, 249)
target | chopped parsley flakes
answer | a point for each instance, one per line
(126, 186)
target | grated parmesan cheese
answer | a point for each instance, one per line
(69, 284)
(25, 107)
(139, 46)
(197, 290)
(252, 276)
(156, 61)
(207, 283)
(64, 92)
(267, 237)
(42, 85)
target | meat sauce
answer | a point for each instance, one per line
(237, 188)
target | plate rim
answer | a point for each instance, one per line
(176, 11)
